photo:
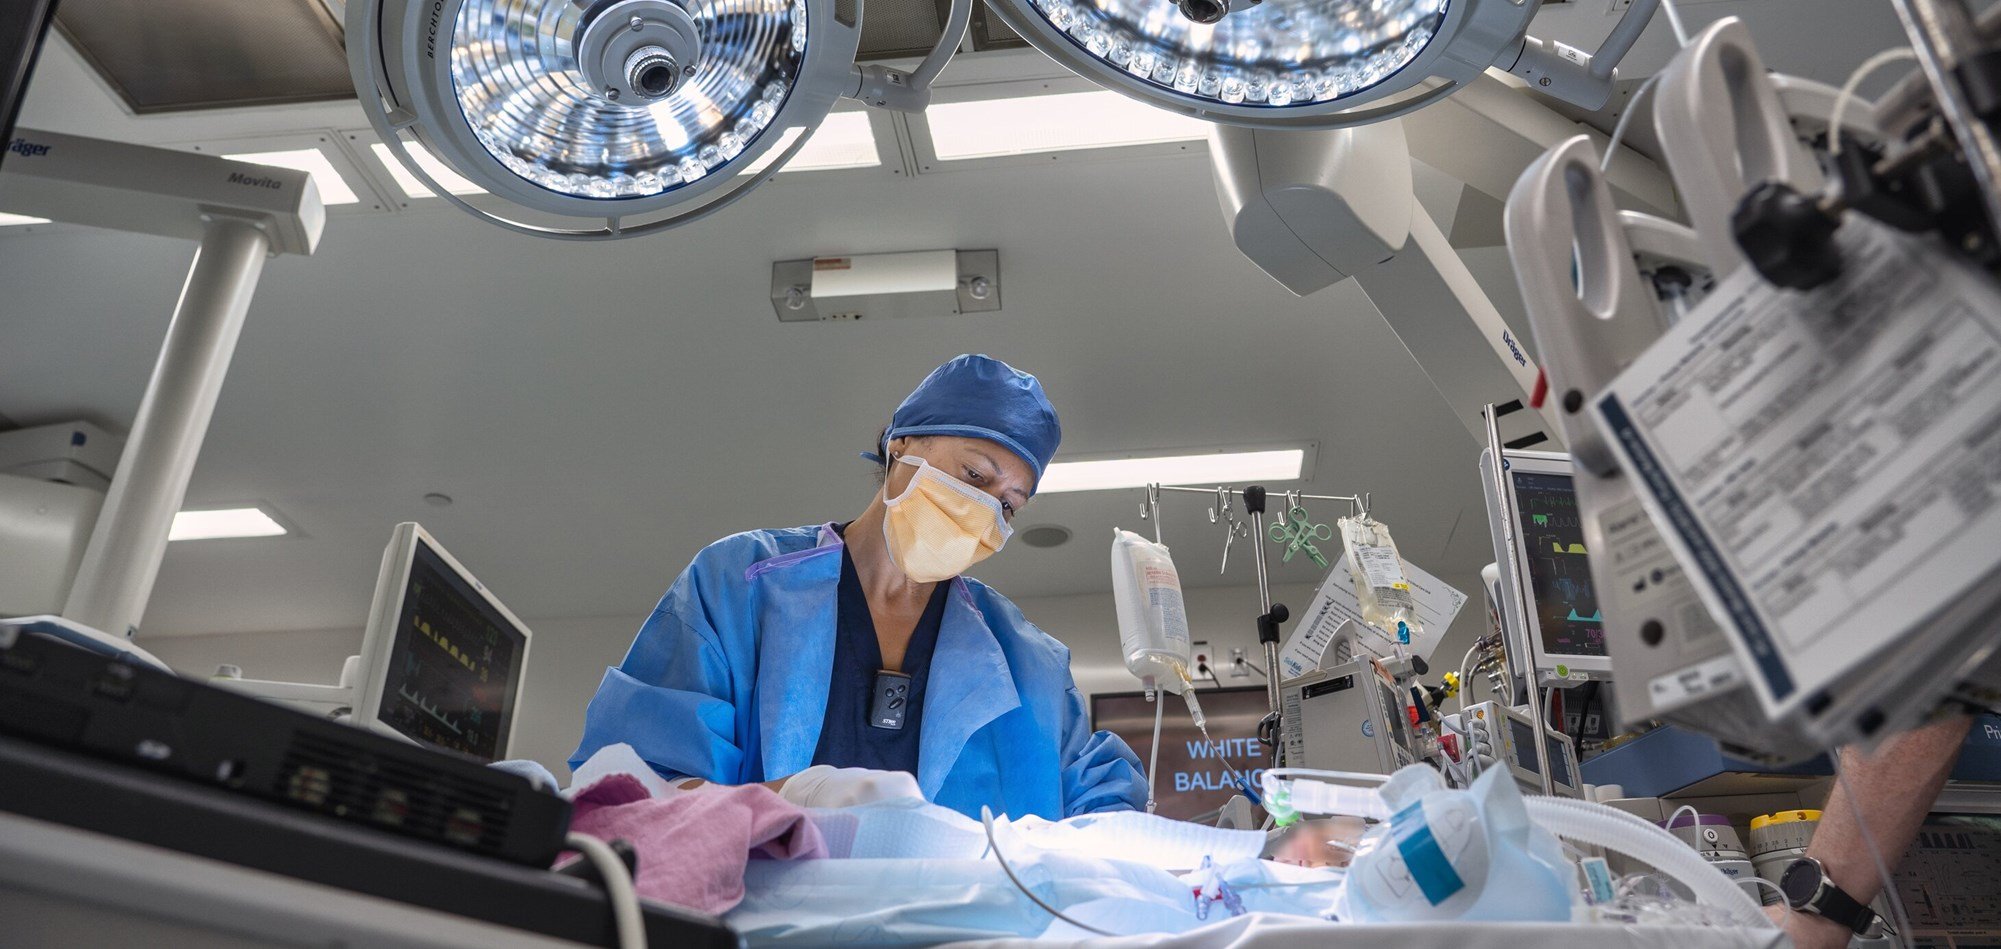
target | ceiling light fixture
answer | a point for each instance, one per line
(1235, 467)
(224, 522)
(631, 115)
(412, 188)
(1312, 63)
(333, 188)
(984, 128)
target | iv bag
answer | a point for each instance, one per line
(1380, 580)
(1153, 625)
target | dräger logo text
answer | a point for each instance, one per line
(1509, 338)
(239, 178)
(22, 146)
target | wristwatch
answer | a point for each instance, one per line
(1808, 890)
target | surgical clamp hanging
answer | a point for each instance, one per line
(1224, 511)
(1298, 533)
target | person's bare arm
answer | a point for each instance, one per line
(689, 784)
(1893, 790)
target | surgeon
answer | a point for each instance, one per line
(860, 645)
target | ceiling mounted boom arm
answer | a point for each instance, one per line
(886, 88)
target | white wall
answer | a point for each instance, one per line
(570, 655)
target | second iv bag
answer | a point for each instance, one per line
(1153, 625)
(1381, 582)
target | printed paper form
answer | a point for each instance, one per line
(1827, 463)
(1336, 606)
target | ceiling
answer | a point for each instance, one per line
(599, 412)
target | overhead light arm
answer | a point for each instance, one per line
(1579, 78)
(1312, 208)
(886, 88)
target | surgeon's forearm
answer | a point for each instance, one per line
(1893, 789)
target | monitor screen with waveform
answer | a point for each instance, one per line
(1566, 606)
(451, 674)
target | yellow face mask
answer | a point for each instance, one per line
(940, 526)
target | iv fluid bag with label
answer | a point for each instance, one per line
(1380, 580)
(1153, 625)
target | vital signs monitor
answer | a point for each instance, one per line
(443, 658)
(1566, 629)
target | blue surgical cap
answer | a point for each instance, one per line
(981, 397)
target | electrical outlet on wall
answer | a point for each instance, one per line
(1203, 656)
(1239, 667)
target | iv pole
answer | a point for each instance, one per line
(1273, 615)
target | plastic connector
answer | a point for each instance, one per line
(886, 88)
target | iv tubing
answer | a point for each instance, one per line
(1153, 762)
(987, 819)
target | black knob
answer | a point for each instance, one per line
(1787, 236)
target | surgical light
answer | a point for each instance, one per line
(1287, 464)
(1311, 63)
(628, 115)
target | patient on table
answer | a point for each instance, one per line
(906, 871)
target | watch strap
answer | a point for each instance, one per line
(1834, 904)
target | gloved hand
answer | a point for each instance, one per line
(827, 786)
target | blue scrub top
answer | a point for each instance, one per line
(848, 738)
(728, 681)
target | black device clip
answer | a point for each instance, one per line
(889, 701)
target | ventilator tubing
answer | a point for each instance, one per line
(1320, 797)
(1616, 830)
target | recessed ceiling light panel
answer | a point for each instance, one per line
(1235, 467)
(222, 523)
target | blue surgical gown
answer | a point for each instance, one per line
(727, 681)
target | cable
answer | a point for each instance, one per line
(1870, 65)
(1674, 20)
(987, 820)
(1466, 674)
(1153, 762)
(617, 885)
(1875, 852)
(1632, 109)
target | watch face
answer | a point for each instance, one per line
(1800, 881)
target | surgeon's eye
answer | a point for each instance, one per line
(973, 476)
(1008, 510)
